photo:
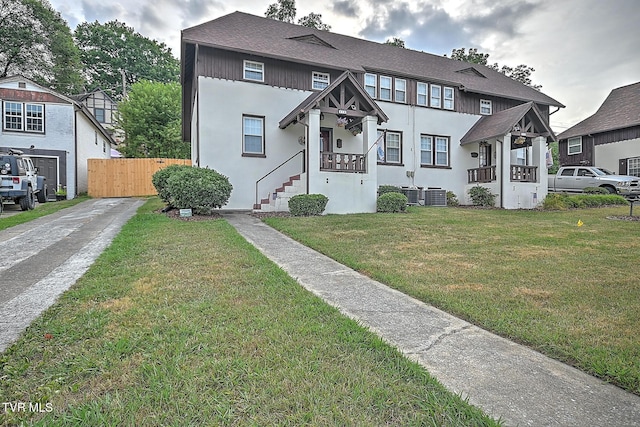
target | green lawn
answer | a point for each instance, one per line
(185, 323)
(572, 292)
(42, 209)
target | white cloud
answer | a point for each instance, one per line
(581, 49)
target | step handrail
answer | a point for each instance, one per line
(278, 167)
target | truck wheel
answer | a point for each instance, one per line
(43, 194)
(610, 189)
(28, 202)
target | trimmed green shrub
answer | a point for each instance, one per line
(482, 196)
(307, 204)
(159, 181)
(392, 202)
(452, 199)
(559, 201)
(383, 189)
(198, 189)
(595, 190)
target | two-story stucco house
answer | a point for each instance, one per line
(57, 132)
(283, 109)
(610, 138)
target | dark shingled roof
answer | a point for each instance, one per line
(502, 122)
(620, 110)
(241, 32)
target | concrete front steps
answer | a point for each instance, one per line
(279, 200)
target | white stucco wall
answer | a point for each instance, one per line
(221, 104)
(608, 155)
(414, 121)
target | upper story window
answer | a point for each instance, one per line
(447, 102)
(421, 91)
(401, 90)
(486, 107)
(252, 135)
(371, 84)
(320, 80)
(574, 145)
(385, 88)
(23, 117)
(436, 96)
(254, 71)
(99, 113)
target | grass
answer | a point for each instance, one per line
(41, 210)
(185, 323)
(536, 277)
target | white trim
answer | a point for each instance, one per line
(246, 67)
(390, 88)
(403, 91)
(579, 145)
(435, 101)
(373, 95)
(322, 79)
(486, 107)
(425, 94)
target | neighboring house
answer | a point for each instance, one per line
(265, 101)
(57, 132)
(610, 138)
(103, 108)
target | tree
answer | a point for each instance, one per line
(113, 52)
(285, 11)
(36, 42)
(150, 119)
(314, 20)
(396, 42)
(521, 73)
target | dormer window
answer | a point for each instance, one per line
(486, 107)
(254, 71)
(320, 80)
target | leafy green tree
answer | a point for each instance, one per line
(113, 52)
(36, 42)
(521, 73)
(150, 120)
(395, 41)
(285, 11)
(314, 20)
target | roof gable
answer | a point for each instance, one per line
(241, 32)
(311, 39)
(344, 97)
(620, 110)
(523, 120)
(470, 71)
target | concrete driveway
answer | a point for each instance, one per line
(41, 259)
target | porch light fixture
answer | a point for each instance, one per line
(321, 116)
(516, 128)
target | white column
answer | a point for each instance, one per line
(313, 150)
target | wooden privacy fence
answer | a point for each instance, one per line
(126, 177)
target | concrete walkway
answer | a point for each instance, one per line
(43, 258)
(506, 380)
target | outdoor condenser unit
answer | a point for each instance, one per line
(435, 197)
(412, 195)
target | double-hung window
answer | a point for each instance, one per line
(401, 90)
(385, 88)
(99, 113)
(574, 145)
(448, 98)
(253, 136)
(421, 90)
(392, 152)
(320, 80)
(371, 84)
(486, 107)
(254, 71)
(633, 166)
(436, 96)
(23, 117)
(434, 150)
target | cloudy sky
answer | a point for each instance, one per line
(580, 49)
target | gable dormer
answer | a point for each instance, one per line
(471, 71)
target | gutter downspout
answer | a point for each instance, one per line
(197, 89)
(501, 169)
(306, 154)
(75, 154)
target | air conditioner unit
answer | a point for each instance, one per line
(412, 195)
(435, 197)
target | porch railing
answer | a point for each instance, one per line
(343, 162)
(521, 173)
(484, 174)
(301, 152)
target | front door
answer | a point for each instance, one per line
(326, 147)
(48, 167)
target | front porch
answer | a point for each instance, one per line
(519, 173)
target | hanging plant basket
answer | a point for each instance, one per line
(342, 122)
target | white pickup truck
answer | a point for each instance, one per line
(577, 178)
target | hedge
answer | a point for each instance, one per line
(307, 204)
